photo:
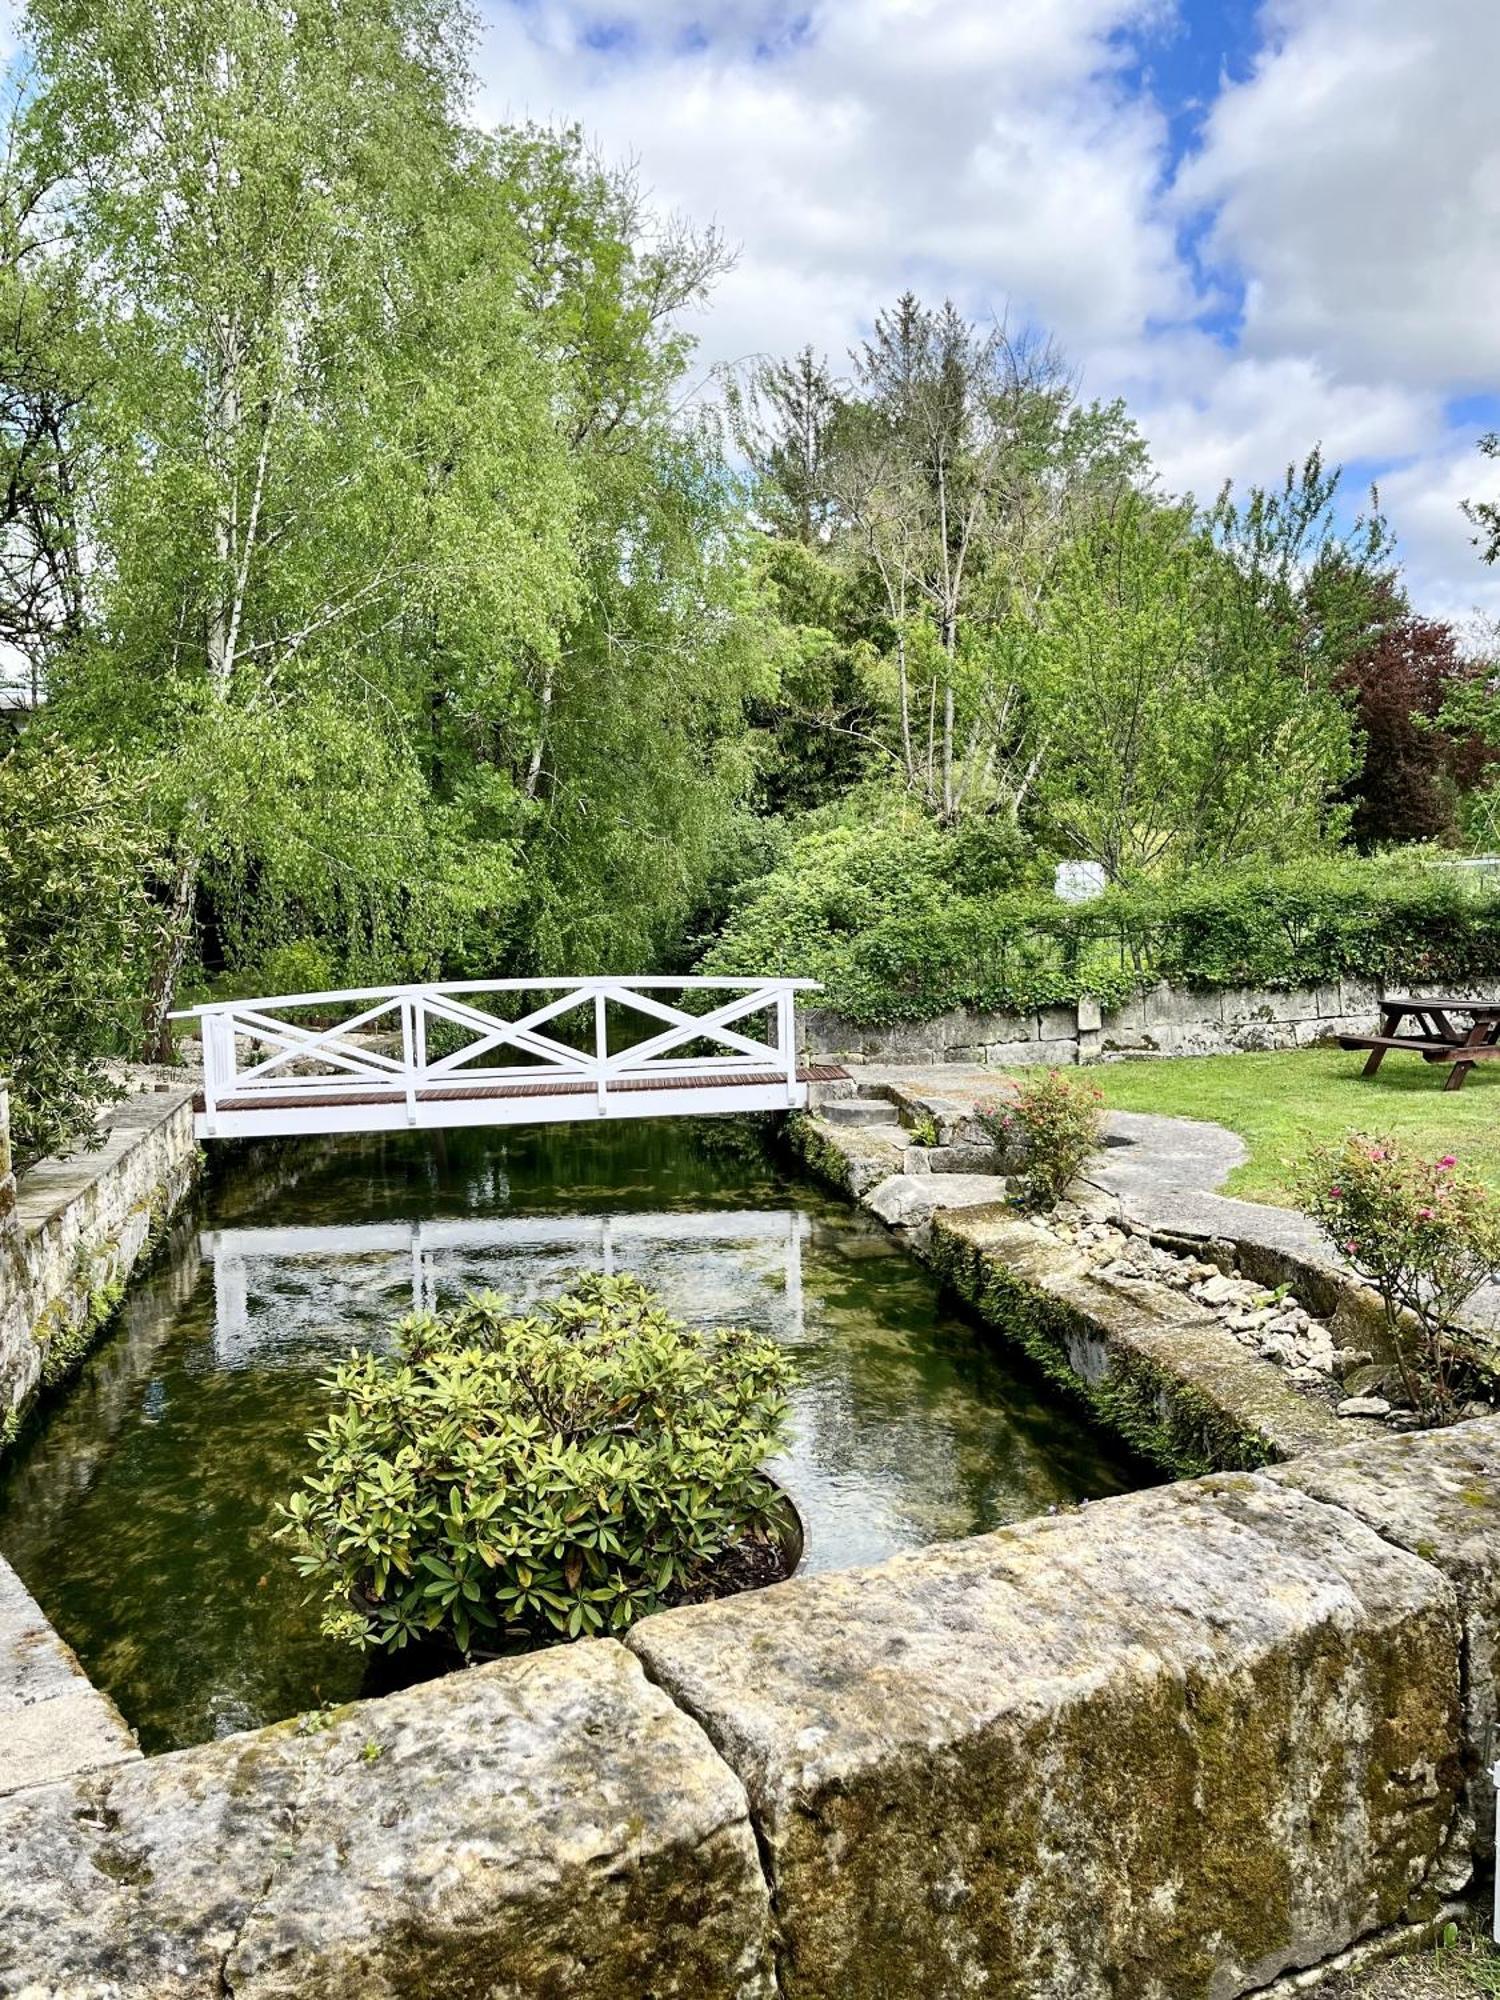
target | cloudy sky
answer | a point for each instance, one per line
(1266, 225)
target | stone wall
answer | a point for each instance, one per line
(1166, 1021)
(72, 1230)
(1170, 1745)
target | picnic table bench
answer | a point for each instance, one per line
(1428, 1029)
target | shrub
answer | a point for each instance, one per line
(558, 1472)
(1055, 1117)
(912, 938)
(77, 931)
(1426, 1237)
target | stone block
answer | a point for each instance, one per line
(907, 1201)
(1169, 1746)
(1057, 1024)
(1361, 997)
(1437, 1494)
(1128, 1019)
(545, 1829)
(1182, 1007)
(1089, 1017)
(53, 1722)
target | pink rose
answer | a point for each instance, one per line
(1337, 1193)
(1447, 1161)
(1425, 1214)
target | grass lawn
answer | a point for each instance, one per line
(1283, 1104)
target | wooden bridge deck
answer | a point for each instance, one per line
(476, 1092)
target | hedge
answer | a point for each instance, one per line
(1294, 926)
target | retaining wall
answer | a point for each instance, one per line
(1166, 1021)
(1170, 1745)
(73, 1229)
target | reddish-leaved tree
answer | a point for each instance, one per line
(1413, 771)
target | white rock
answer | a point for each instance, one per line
(1364, 1406)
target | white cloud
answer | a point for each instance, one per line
(1001, 150)
(1356, 176)
(957, 144)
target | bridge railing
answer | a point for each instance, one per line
(420, 1042)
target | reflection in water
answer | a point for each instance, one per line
(140, 1514)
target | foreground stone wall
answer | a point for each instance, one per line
(73, 1229)
(1168, 1746)
(1166, 1021)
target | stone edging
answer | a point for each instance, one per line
(74, 1229)
(1177, 1743)
(1159, 1369)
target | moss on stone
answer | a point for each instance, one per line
(70, 1326)
(1158, 1414)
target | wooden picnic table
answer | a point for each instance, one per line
(1428, 1028)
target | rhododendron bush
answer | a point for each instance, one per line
(1426, 1236)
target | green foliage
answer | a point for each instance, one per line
(77, 929)
(1426, 1237)
(1056, 1120)
(902, 923)
(362, 518)
(559, 1472)
(1189, 718)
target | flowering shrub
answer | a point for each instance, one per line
(559, 1472)
(1426, 1237)
(1055, 1117)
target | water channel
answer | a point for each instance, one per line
(138, 1512)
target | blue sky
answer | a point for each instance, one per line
(1268, 223)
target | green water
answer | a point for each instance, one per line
(139, 1513)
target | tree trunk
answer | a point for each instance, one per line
(949, 648)
(157, 1035)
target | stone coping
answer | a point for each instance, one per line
(1155, 1366)
(74, 1228)
(1172, 1745)
(47, 1188)
(54, 1723)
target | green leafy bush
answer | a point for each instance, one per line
(1054, 1118)
(1426, 1237)
(77, 930)
(558, 1472)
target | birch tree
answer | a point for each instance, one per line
(949, 473)
(252, 193)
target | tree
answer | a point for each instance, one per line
(250, 193)
(1485, 514)
(1189, 702)
(396, 569)
(950, 471)
(77, 932)
(785, 422)
(1404, 684)
(640, 753)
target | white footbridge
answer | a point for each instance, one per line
(500, 1052)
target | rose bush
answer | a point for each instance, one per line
(1426, 1237)
(1055, 1118)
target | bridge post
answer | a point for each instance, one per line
(218, 1064)
(786, 1029)
(409, 1057)
(601, 1045)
